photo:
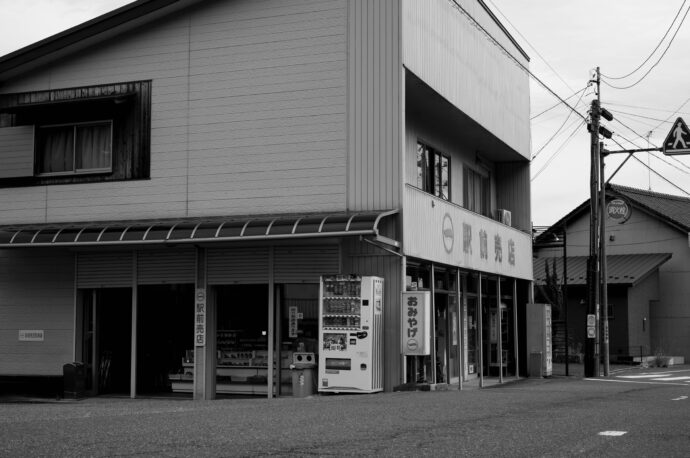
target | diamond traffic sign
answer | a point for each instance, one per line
(678, 139)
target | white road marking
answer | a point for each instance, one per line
(612, 433)
(634, 381)
(673, 379)
(680, 398)
(663, 374)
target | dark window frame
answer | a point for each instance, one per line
(430, 171)
(127, 106)
(475, 182)
(75, 169)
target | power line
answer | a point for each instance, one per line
(520, 64)
(567, 140)
(558, 103)
(653, 171)
(530, 45)
(557, 131)
(655, 49)
(657, 62)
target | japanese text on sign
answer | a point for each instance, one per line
(415, 323)
(200, 318)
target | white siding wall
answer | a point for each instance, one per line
(374, 105)
(36, 292)
(248, 114)
(445, 49)
(670, 318)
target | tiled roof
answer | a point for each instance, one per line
(626, 269)
(675, 209)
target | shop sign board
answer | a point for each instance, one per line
(31, 335)
(200, 318)
(619, 210)
(293, 321)
(416, 323)
(445, 232)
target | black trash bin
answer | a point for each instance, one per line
(74, 380)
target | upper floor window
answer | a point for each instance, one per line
(433, 171)
(476, 192)
(74, 148)
(75, 135)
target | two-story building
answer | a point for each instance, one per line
(174, 156)
(647, 272)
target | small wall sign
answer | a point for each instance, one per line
(619, 210)
(31, 335)
(200, 318)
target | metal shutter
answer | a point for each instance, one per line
(104, 270)
(237, 266)
(305, 264)
(166, 267)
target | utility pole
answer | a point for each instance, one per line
(603, 266)
(591, 339)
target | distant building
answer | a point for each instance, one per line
(176, 154)
(648, 273)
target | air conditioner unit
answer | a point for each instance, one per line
(503, 216)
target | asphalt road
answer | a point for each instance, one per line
(549, 417)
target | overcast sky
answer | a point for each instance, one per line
(566, 41)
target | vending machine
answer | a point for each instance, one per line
(351, 334)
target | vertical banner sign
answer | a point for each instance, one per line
(200, 318)
(293, 324)
(416, 323)
(548, 357)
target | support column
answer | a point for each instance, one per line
(204, 334)
(481, 332)
(133, 353)
(515, 331)
(499, 330)
(270, 339)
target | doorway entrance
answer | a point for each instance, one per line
(107, 339)
(165, 332)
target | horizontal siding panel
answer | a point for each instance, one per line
(230, 79)
(104, 270)
(305, 264)
(17, 151)
(36, 292)
(237, 266)
(166, 267)
(467, 68)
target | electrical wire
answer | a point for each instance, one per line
(557, 131)
(533, 48)
(653, 171)
(657, 62)
(563, 145)
(655, 49)
(559, 103)
(519, 64)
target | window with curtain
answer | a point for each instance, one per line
(476, 192)
(74, 148)
(433, 171)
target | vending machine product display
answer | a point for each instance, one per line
(351, 334)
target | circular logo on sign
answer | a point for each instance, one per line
(619, 210)
(412, 345)
(448, 233)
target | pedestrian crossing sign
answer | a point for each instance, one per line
(678, 139)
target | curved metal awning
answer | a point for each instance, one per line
(195, 230)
